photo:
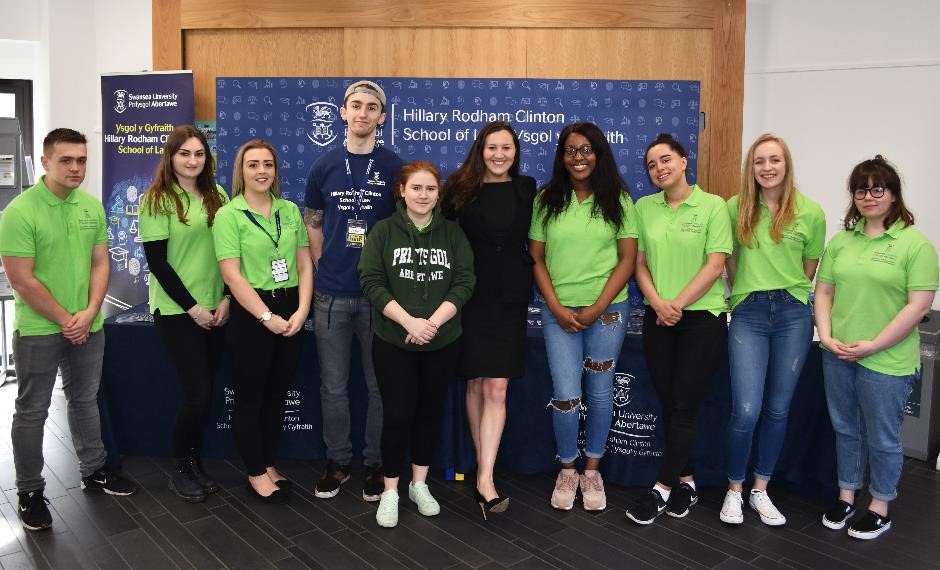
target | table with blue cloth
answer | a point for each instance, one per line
(139, 399)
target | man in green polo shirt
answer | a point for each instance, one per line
(54, 248)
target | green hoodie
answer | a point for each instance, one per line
(420, 270)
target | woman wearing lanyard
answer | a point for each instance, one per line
(876, 282)
(176, 217)
(685, 236)
(779, 236)
(262, 248)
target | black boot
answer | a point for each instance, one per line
(205, 481)
(184, 483)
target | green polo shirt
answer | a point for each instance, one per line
(190, 251)
(236, 236)
(677, 243)
(59, 235)
(767, 265)
(581, 249)
(872, 277)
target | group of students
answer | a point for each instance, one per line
(434, 278)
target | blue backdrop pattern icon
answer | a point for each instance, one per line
(436, 119)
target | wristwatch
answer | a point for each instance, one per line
(265, 316)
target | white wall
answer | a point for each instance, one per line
(64, 46)
(841, 81)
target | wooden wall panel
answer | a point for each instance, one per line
(243, 14)
(435, 52)
(217, 53)
(669, 39)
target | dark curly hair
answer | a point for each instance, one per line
(463, 186)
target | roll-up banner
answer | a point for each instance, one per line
(138, 112)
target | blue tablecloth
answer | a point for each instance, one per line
(140, 393)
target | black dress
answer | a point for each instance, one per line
(496, 223)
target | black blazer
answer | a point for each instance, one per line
(503, 267)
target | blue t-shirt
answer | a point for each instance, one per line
(328, 189)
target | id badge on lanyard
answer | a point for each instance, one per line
(356, 233)
(279, 270)
(356, 229)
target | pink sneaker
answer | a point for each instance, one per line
(566, 488)
(592, 491)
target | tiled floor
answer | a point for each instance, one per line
(232, 530)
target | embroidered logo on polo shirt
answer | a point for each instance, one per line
(693, 226)
(885, 255)
(87, 221)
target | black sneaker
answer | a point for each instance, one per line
(34, 514)
(681, 500)
(870, 526)
(108, 482)
(374, 485)
(836, 516)
(647, 508)
(334, 476)
(184, 484)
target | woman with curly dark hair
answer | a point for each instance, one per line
(492, 203)
(583, 240)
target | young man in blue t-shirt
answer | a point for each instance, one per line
(348, 191)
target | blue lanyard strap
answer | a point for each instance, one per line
(352, 185)
(277, 221)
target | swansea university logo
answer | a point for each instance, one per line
(120, 100)
(322, 117)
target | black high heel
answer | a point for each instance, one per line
(497, 505)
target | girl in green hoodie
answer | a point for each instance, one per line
(416, 269)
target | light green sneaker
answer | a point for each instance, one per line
(387, 515)
(420, 495)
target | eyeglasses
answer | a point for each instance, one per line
(876, 192)
(585, 150)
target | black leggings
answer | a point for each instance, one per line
(195, 354)
(413, 385)
(682, 360)
(263, 365)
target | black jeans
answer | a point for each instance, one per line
(682, 360)
(263, 365)
(413, 385)
(195, 354)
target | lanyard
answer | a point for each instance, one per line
(277, 221)
(352, 186)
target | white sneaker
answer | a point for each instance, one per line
(769, 515)
(420, 495)
(731, 509)
(387, 513)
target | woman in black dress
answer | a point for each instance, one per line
(493, 204)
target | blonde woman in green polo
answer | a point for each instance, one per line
(262, 247)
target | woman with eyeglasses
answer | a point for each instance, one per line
(492, 202)
(779, 237)
(583, 241)
(685, 237)
(876, 282)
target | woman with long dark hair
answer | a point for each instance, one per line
(492, 203)
(876, 282)
(685, 236)
(583, 241)
(186, 291)
(779, 237)
(262, 247)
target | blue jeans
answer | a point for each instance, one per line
(768, 340)
(867, 409)
(37, 360)
(335, 321)
(590, 355)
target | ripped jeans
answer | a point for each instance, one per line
(591, 356)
